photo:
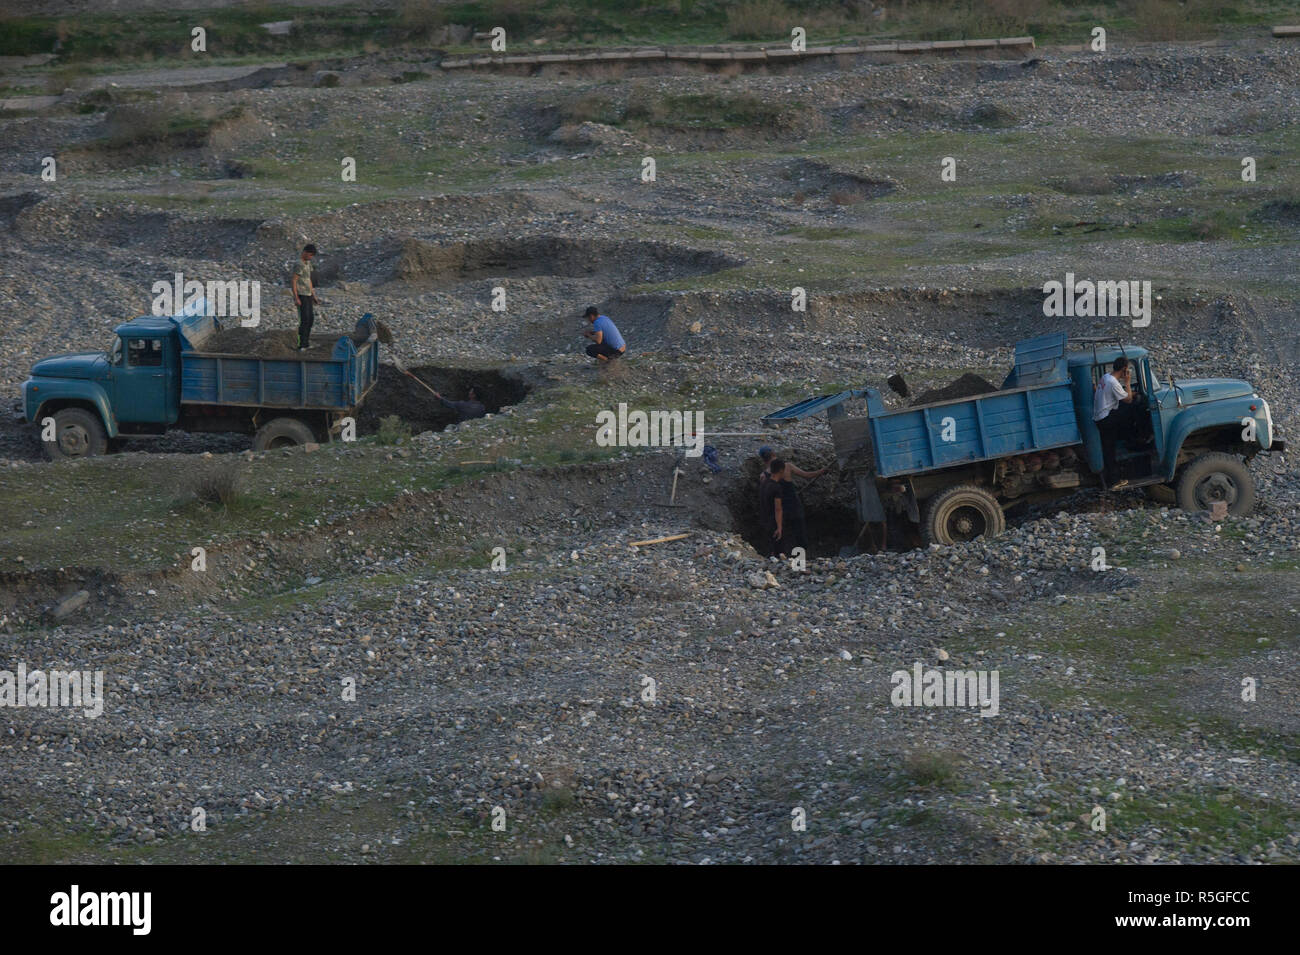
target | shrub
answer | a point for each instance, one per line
(931, 768)
(760, 20)
(421, 18)
(217, 485)
(393, 430)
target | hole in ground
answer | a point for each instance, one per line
(622, 261)
(397, 394)
(829, 511)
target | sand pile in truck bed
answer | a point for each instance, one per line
(272, 343)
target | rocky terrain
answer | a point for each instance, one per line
(683, 701)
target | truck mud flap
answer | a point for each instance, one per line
(870, 507)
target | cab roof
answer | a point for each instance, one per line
(1105, 354)
(146, 325)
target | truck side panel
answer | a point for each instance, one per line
(985, 427)
(211, 378)
(226, 380)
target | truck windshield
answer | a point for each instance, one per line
(115, 353)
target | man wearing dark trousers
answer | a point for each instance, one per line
(606, 343)
(790, 531)
(1112, 411)
(304, 295)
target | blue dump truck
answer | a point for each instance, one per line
(161, 375)
(950, 469)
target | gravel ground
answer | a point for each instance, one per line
(526, 689)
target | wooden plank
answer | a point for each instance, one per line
(949, 44)
(750, 56)
(981, 44)
(782, 54)
(883, 48)
(715, 56)
(660, 540)
(1286, 31)
(851, 50)
(820, 50)
(1016, 41)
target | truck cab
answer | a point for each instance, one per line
(84, 400)
(1177, 422)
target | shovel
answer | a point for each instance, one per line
(397, 363)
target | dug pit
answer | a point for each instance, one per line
(622, 262)
(829, 511)
(398, 394)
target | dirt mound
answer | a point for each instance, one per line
(625, 262)
(272, 343)
(1108, 185)
(842, 188)
(397, 394)
(990, 116)
(1282, 211)
(966, 386)
(151, 234)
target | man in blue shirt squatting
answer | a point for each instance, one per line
(607, 343)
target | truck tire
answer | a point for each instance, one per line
(1162, 494)
(961, 514)
(282, 433)
(1217, 477)
(78, 433)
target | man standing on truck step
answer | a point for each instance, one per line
(607, 343)
(1112, 410)
(470, 408)
(789, 530)
(304, 294)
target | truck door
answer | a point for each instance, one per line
(141, 381)
(1151, 385)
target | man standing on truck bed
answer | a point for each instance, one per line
(1112, 410)
(304, 294)
(470, 408)
(607, 343)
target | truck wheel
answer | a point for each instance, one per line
(1217, 477)
(1162, 494)
(282, 433)
(78, 433)
(962, 514)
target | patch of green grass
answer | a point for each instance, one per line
(932, 769)
(234, 31)
(821, 233)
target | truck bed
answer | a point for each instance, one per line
(993, 425)
(332, 376)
